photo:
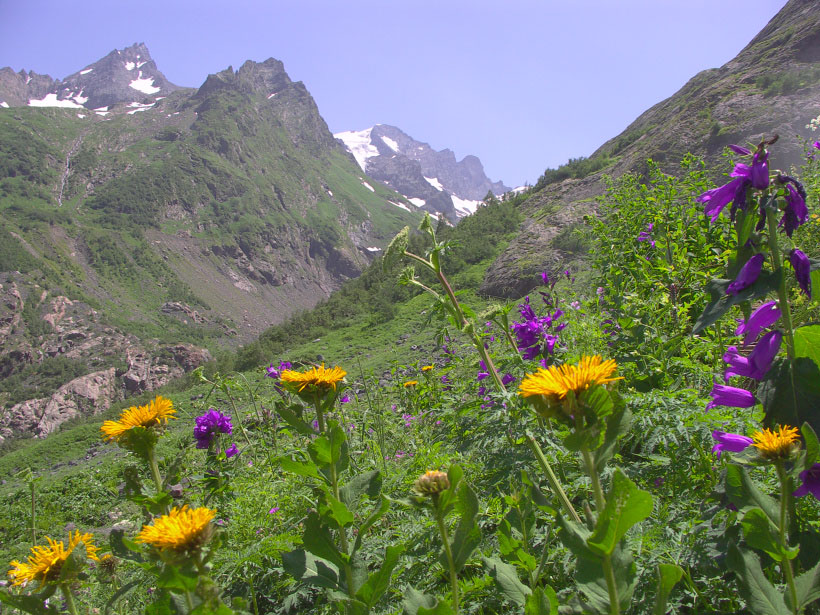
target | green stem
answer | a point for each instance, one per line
(526, 542)
(33, 516)
(442, 528)
(69, 598)
(189, 600)
(782, 295)
(152, 463)
(786, 564)
(320, 416)
(553, 480)
(600, 504)
(334, 485)
(543, 562)
(237, 417)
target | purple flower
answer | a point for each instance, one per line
(758, 362)
(208, 425)
(810, 478)
(273, 510)
(507, 379)
(345, 399)
(802, 269)
(816, 145)
(717, 198)
(758, 173)
(483, 373)
(599, 291)
(276, 372)
(731, 442)
(723, 395)
(646, 235)
(747, 276)
(231, 451)
(764, 316)
(739, 149)
(796, 213)
(545, 277)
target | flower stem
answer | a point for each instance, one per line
(152, 463)
(600, 504)
(552, 479)
(442, 528)
(786, 564)
(189, 600)
(69, 598)
(782, 295)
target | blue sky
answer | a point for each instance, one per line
(522, 84)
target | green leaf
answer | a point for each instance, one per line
(30, 604)
(123, 547)
(762, 598)
(743, 493)
(807, 342)
(542, 601)
(812, 445)
(416, 603)
(446, 499)
(767, 282)
(334, 509)
(294, 420)
(317, 540)
(369, 483)
(378, 513)
(597, 399)
(626, 505)
(119, 594)
(617, 425)
(506, 578)
(807, 587)
(305, 567)
(139, 440)
(791, 399)
(668, 576)
(163, 604)
(761, 533)
(302, 468)
(178, 579)
(320, 451)
(467, 536)
(439, 608)
(815, 286)
(73, 564)
(378, 582)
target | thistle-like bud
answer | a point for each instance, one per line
(491, 312)
(431, 483)
(395, 251)
(407, 276)
(426, 224)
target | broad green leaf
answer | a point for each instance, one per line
(29, 603)
(302, 468)
(807, 342)
(506, 578)
(807, 587)
(320, 451)
(73, 564)
(378, 512)
(416, 602)
(378, 582)
(119, 594)
(761, 533)
(743, 493)
(815, 286)
(597, 399)
(542, 601)
(791, 399)
(369, 483)
(290, 416)
(163, 604)
(305, 567)
(467, 536)
(812, 445)
(668, 576)
(123, 547)
(762, 598)
(617, 425)
(178, 579)
(334, 509)
(447, 498)
(439, 608)
(626, 505)
(767, 282)
(318, 541)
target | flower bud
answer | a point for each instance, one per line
(431, 483)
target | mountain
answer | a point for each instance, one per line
(771, 87)
(139, 234)
(432, 180)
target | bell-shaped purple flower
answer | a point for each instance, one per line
(810, 479)
(758, 173)
(764, 316)
(723, 395)
(748, 275)
(758, 362)
(816, 145)
(796, 213)
(731, 442)
(717, 198)
(739, 149)
(231, 451)
(802, 269)
(208, 425)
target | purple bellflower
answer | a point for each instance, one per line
(483, 373)
(276, 372)
(758, 362)
(764, 316)
(646, 235)
(802, 269)
(718, 198)
(796, 213)
(208, 425)
(723, 395)
(507, 379)
(816, 145)
(748, 275)
(731, 442)
(811, 480)
(231, 451)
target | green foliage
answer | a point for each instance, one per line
(575, 168)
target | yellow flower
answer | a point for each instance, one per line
(554, 383)
(315, 377)
(411, 383)
(778, 444)
(157, 411)
(427, 368)
(182, 529)
(45, 562)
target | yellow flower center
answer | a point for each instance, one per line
(776, 444)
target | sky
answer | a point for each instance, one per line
(522, 84)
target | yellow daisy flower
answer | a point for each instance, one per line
(778, 444)
(155, 413)
(315, 377)
(410, 383)
(182, 529)
(45, 562)
(427, 368)
(555, 382)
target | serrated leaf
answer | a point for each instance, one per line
(597, 399)
(762, 598)
(807, 587)
(302, 468)
(767, 282)
(293, 419)
(791, 399)
(626, 505)
(506, 578)
(761, 533)
(306, 567)
(335, 510)
(542, 601)
(317, 540)
(807, 343)
(369, 483)
(617, 425)
(743, 493)
(668, 576)
(179, 579)
(378, 582)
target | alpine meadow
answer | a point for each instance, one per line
(248, 366)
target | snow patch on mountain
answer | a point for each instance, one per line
(418, 202)
(86, 71)
(400, 205)
(391, 144)
(368, 186)
(4, 104)
(464, 207)
(435, 183)
(50, 100)
(358, 142)
(144, 84)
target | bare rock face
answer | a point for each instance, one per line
(87, 395)
(149, 370)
